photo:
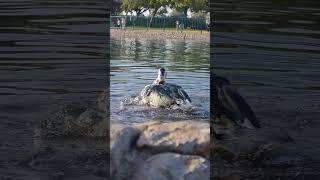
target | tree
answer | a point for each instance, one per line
(162, 11)
(154, 6)
(139, 6)
(182, 6)
(175, 13)
(193, 5)
(199, 14)
(126, 6)
(199, 5)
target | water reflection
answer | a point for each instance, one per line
(134, 64)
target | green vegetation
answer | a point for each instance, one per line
(159, 7)
(155, 6)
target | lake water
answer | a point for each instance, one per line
(270, 50)
(51, 54)
(134, 64)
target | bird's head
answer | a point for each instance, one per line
(162, 74)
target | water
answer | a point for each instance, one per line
(51, 54)
(270, 50)
(135, 63)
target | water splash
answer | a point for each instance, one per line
(134, 110)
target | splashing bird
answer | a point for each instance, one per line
(163, 94)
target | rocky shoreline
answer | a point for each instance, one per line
(159, 35)
(150, 150)
(74, 142)
(160, 150)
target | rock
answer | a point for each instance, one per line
(265, 154)
(102, 102)
(186, 137)
(122, 137)
(224, 153)
(59, 123)
(169, 166)
(73, 120)
(92, 123)
(130, 145)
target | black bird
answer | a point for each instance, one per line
(231, 104)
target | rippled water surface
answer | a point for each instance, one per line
(51, 53)
(270, 50)
(134, 64)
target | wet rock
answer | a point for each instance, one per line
(130, 145)
(186, 137)
(92, 123)
(169, 166)
(122, 138)
(59, 122)
(220, 150)
(72, 120)
(102, 101)
(262, 152)
(224, 153)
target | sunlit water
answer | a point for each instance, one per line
(134, 64)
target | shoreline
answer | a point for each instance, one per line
(149, 150)
(158, 35)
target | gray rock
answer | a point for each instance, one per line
(172, 166)
(102, 102)
(92, 123)
(59, 123)
(71, 121)
(186, 137)
(122, 137)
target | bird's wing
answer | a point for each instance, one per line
(160, 90)
(180, 93)
(240, 107)
(146, 90)
(184, 94)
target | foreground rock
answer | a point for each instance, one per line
(73, 120)
(122, 138)
(167, 150)
(160, 150)
(174, 166)
(185, 137)
(154, 150)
